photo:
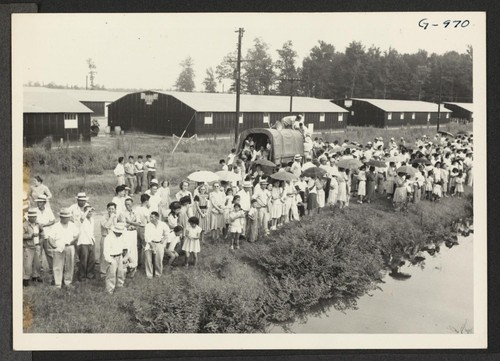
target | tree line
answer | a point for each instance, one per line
(331, 74)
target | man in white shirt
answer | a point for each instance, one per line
(77, 209)
(130, 219)
(308, 164)
(261, 195)
(86, 245)
(108, 221)
(223, 166)
(139, 174)
(62, 238)
(150, 168)
(119, 172)
(154, 196)
(114, 249)
(45, 219)
(230, 159)
(296, 168)
(32, 232)
(155, 237)
(143, 213)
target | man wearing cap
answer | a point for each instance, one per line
(32, 232)
(262, 197)
(131, 222)
(77, 209)
(296, 168)
(86, 245)
(113, 255)
(46, 219)
(155, 234)
(62, 238)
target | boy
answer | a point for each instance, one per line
(173, 238)
(230, 159)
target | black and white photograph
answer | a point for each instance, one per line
(249, 181)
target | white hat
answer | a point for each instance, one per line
(119, 228)
(297, 157)
(154, 181)
(247, 184)
(41, 198)
(82, 197)
(32, 212)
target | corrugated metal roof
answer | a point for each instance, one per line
(467, 106)
(83, 95)
(391, 105)
(51, 101)
(223, 102)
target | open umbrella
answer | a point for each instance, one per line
(228, 176)
(284, 176)
(407, 169)
(422, 161)
(203, 176)
(349, 163)
(448, 134)
(376, 163)
(314, 172)
(396, 158)
(265, 162)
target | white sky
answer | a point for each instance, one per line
(144, 50)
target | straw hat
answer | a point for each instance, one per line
(247, 184)
(32, 212)
(154, 181)
(263, 181)
(82, 197)
(64, 213)
(297, 157)
(41, 198)
(119, 228)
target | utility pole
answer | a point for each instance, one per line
(439, 99)
(238, 78)
(292, 81)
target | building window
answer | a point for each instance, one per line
(70, 121)
(209, 118)
(447, 115)
(412, 115)
(352, 112)
(240, 118)
(402, 116)
(266, 118)
(428, 117)
(347, 103)
(389, 116)
(321, 117)
(341, 117)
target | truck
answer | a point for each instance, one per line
(285, 143)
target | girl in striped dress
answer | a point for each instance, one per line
(201, 209)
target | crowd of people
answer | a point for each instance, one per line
(151, 228)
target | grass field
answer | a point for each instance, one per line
(336, 255)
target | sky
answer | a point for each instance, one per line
(145, 50)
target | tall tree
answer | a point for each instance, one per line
(287, 71)
(185, 81)
(209, 82)
(258, 69)
(318, 71)
(226, 70)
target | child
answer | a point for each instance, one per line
(253, 222)
(428, 185)
(230, 159)
(236, 226)
(191, 244)
(183, 216)
(459, 184)
(173, 238)
(276, 204)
